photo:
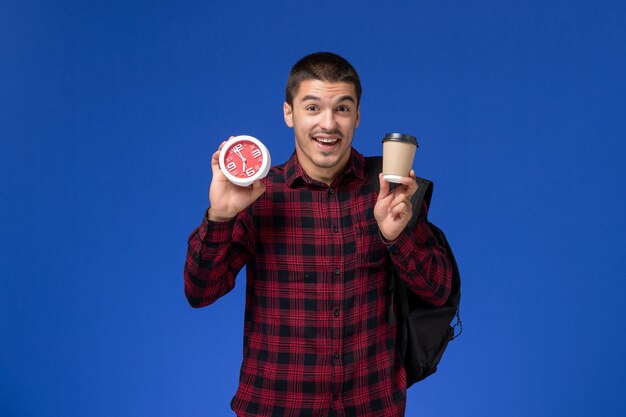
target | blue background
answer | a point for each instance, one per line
(109, 111)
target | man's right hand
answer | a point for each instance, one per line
(227, 199)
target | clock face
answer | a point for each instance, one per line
(244, 159)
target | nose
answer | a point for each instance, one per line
(327, 120)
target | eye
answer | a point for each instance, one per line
(311, 107)
(343, 109)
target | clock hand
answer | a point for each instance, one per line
(241, 156)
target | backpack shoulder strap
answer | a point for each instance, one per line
(373, 165)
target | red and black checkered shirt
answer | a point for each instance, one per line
(316, 338)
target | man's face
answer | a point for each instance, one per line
(323, 117)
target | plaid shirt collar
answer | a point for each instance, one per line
(296, 177)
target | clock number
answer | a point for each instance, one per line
(231, 166)
(237, 148)
(250, 172)
(256, 153)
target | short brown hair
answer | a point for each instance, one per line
(323, 66)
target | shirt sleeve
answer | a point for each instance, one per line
(422, 262)
(216, 252)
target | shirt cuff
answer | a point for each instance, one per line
(220, 232)
(403, 246)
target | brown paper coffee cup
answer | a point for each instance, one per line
(398, 153)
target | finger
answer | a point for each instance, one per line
(414, 186)
(400, 209)
(384, 187)
(409, 184)
(257, 189)
(219, 149)
(215, 161)
(399, 200)
(408, 180)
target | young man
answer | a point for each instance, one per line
(317, 241)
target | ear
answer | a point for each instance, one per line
(288, 114)
(358, 117)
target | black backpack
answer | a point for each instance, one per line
(423, 330)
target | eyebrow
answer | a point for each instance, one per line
(342, 98)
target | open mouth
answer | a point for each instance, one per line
(327, 140)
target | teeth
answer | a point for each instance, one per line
(327, 140)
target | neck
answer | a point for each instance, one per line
(319, 172)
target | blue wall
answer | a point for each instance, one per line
(109, 112)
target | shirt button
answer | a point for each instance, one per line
(336, 356)
(335, 230)
(337, 272)
(336, 313)
(196, 256)
(332, 191)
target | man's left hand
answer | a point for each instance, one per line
(393, 209)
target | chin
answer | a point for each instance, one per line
(327, 161)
